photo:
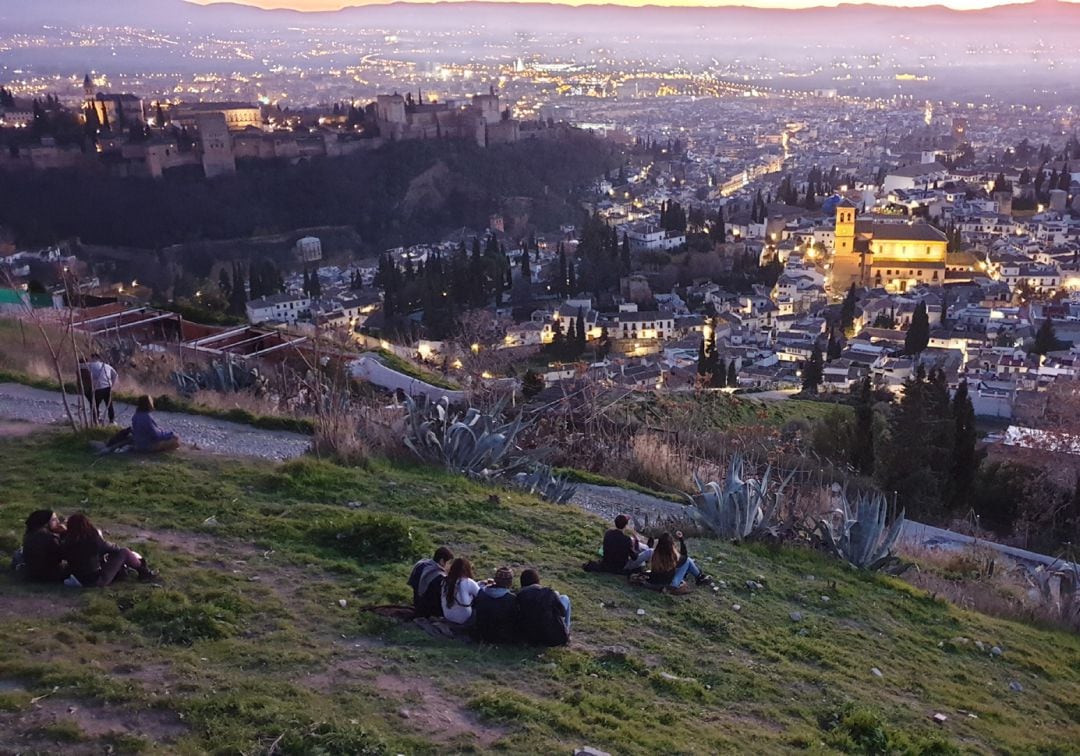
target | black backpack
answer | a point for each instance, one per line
(542, 617)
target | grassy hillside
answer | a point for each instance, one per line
(245, 647)
(718, 411)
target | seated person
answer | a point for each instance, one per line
(623, 552)
(93, 560)
(146, 436)
(495, 609)
(459, 590)
(42, 555)
(543, 614)
(670, 564)
(426, 581)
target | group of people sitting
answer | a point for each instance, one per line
(444, 586)
(74, 553)
(663, 563)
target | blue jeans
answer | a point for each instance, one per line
(565, 601)
(680, 573)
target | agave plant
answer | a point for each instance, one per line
(742, 506)
(862, 537)
(477, 444)
(543, 482)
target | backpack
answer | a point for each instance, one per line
(542, 617)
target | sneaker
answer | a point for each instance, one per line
(704, 580)
(682, 590)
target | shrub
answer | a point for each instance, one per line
(324, 739)
(176, 619)
(371, 538)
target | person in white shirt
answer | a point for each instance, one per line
(102, 378)
(459, 590)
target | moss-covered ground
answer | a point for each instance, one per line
(246, 648)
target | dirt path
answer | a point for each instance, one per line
(32, 405)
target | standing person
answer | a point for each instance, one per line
(670, 564)
(102, 378)
(623, 552)
(495, 609)
(426, 581)
(146, 436)
(459, 590)
(41, 551)
(93, 560)
(86, 383)
(543, 614)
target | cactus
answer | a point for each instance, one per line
(741, 507)
(543, 482)
(862, 537)
(477, 444)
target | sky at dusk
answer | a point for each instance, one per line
(320, 5)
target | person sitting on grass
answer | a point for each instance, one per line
(426, 581)
(459, 590)
(495, 609)
(42, 555)
(146, 436)
(623, 552)
(543, 614)
(670, 564)
(93, 560)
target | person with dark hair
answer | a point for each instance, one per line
(42, 555)
(623, 552)
(426, 581)
(459, 590)
(93, 560)
(102, 379)
(670, 565)
(146, 436)
(495, 609)
(543, 616)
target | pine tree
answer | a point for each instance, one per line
(812, 372)
(1045, 338)
(917, 337)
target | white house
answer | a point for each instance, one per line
(284, 307)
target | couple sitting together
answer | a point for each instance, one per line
(668, 564)
(74, 553)
(444, 587)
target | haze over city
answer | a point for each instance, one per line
(516, 377)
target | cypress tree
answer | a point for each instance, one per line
(625, 254)
(526, 270)
(832, 351)
(1045, 338)
(702, 358)
(862, 449)
(918, 334)
(965, 459)
(732, 375)
(847, 311)
(812, 371)
(582, 337)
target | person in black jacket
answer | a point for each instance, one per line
(623, 552)
(93, 560)
(495, 609)
(543, 614)
(426, 581)
(41, 551)
(671, 564)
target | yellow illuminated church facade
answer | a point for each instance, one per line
(893, 256)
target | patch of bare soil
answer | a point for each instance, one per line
(94, 720)
(15, 429)
(429, 711)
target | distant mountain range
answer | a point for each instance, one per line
(1047, 16)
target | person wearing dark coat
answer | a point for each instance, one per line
(426, 581)
(41, 551)
(93, 560)
(495, 609)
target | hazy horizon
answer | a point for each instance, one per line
(334, 5)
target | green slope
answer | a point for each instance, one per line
(246, 648)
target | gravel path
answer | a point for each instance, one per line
(27, 404)
(608, 501)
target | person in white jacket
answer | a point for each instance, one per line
(102, 378)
